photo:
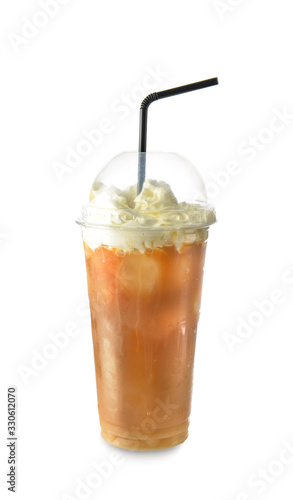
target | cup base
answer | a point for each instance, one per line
(144, 444)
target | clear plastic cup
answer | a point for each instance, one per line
(145, 270)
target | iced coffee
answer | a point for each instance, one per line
(145, 256)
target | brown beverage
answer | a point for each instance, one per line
(144, 311)
(145, 248)
(145, 256)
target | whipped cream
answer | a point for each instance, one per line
(126, 221)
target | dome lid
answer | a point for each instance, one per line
(173, 194)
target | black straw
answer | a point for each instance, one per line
(143, 118)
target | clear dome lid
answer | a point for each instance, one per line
(173, 194)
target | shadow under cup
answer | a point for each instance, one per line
(144, 312)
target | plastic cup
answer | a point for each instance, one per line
(145, 283)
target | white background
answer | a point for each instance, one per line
(67, 78)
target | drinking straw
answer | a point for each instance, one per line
(143, 117)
